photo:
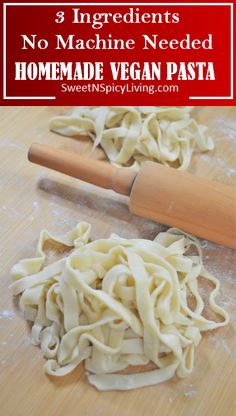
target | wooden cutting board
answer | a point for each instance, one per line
(33, 198)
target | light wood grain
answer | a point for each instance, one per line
(33, 198)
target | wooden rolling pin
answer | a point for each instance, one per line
(193, 204)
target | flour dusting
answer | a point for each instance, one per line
(189, 390)
(216, 340)
(11, 145)
(7, 314)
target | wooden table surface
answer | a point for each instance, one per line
(33, 198)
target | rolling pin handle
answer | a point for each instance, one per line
(196, 205)
(93, 171)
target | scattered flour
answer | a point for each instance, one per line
(7, 314)
(189, 390)
(36, 206)
(7, 145)
(216, 340)
(190, 393)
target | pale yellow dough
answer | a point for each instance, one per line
(116, 302)
(131, 135)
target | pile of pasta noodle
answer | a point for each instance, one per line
(116, 303)
(131, 135)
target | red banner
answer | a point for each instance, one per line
(118, 53)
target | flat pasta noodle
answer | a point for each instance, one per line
(131, 135)
(115, 303)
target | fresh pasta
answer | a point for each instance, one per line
(115, 303)
(131, 135)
